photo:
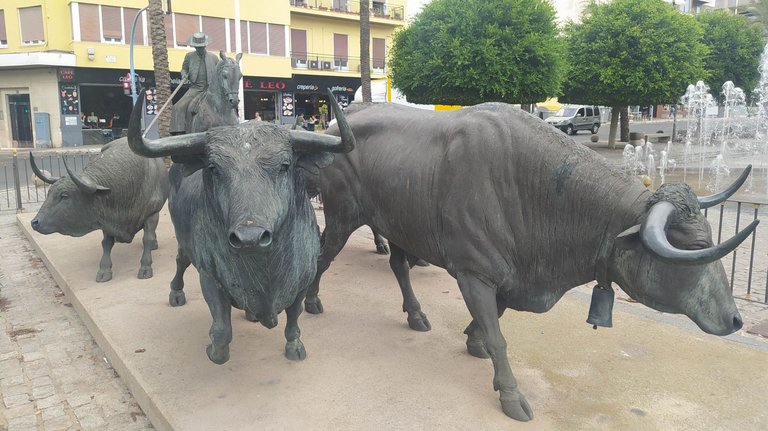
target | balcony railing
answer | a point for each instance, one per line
(331, 63)
(379, 9)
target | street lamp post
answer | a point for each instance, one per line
(134, 96)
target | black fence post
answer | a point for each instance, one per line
(16, 180)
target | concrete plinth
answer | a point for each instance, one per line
(366, 370)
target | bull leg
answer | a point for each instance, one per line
(176, 297)
(475, 341)
(105, 265)
(398, 261)
(333, 240)
(481, 301)
(294, 348)
(381, 243)
(221, 311)
(150, 243)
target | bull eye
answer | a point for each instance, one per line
(284, 167)
(64, 196)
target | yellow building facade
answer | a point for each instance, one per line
(64, 64)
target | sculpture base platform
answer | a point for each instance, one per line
(366, 370)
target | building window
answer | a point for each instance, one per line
(216, 28)
(89, 14)
(112, 24)
(3, 36)
(298, 48)
(31, 22)
(185, 26)
(138, 36)
(341, 52)
(277, 40)
(342, 5)
(257, 36)
(377, 59)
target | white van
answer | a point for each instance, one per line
(570, 119)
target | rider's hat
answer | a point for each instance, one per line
(199, 39)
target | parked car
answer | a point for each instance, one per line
(571, 119)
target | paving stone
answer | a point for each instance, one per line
(58, 423)
(43, 403)
(52, 412)
(41, 392)
(9, 381)
(92, 422)
(78, 400)
(22, 422)
(15, 400)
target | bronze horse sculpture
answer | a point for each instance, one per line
(217, 106)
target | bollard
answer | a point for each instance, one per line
(16, 181)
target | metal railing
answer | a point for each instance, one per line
(19, 188)
(747, 266)
(310, 61)
(378, 9)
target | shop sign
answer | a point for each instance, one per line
(66, 74)
(263, 84)
(70, 101)
(288, 104)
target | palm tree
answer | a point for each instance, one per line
(757, 14)
(365, 49)
(160, 59)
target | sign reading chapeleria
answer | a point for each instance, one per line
(82, 75)
(302, 83)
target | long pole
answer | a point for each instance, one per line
(134, 96)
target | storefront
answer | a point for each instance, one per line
(96, 104)
(283, 99)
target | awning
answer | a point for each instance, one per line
(550, 104)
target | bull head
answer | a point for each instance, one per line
(669, 262)
(248, 172)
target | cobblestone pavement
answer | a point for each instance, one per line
(53, 376)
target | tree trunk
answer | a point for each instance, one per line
(614, 123)
(624, 124)
(160, 58)
(365, 49)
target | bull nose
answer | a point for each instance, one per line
(35, 223)
(243, 237)
(737, 322)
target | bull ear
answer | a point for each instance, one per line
(238, 57)
(313, 162)
(628, 238)
(189, 164)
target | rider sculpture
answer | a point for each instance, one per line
(198, 68)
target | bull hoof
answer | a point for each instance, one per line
(382, 249)
(103, 276)
(177, 298)
(514, 405)
(294, 350)
(418, 322)
(422, 262)
(145, 272)
(153, 246)
(477, 348)
(217, 355)
(314, 306)
(251, 317)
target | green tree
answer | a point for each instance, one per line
(464, 52)
(734, 50)
(632, 52)
(758, 15)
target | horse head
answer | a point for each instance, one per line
(228, 77)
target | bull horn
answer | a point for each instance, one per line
(182, 145)
(712, 200)
(310, 141)
(653, 233)
(84, 183)
(38, 172)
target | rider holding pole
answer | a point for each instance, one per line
(198, 68)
